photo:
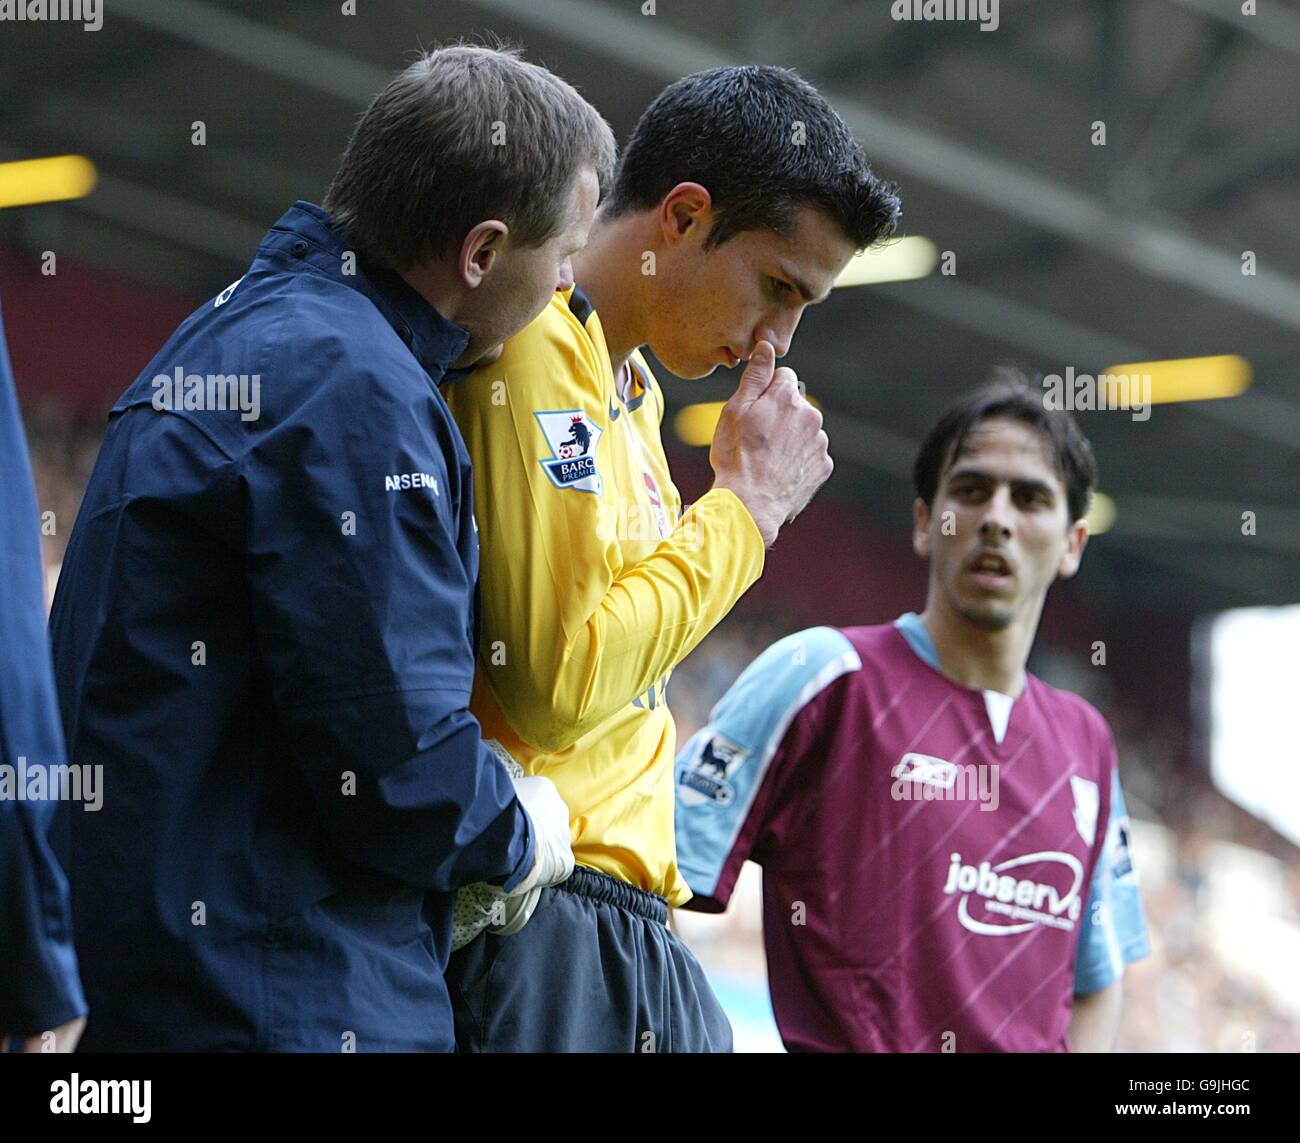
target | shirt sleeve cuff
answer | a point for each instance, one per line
(745, 526)
(526, 862)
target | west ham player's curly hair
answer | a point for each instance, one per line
(1011, 395)
(763, 141)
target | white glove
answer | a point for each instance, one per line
(483, 906)
(552, 849)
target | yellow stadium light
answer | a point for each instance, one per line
(899, 260)
(1101, 514)
(31, 181)
(1191, 378)
(694, 424)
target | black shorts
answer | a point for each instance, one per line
(596, 969)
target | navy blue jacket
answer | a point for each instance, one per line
(265, 632)
(39, 989)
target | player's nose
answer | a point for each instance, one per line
(997, 514)
(779, 332)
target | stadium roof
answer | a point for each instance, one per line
(1067, 253)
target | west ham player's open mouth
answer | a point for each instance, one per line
(989, 568)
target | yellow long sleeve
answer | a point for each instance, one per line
(594, 584)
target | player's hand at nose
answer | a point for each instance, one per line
(769, 447)
(758, 375)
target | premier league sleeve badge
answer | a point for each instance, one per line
(572, 438)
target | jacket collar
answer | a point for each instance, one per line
(306, 232)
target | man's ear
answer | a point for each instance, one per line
(687, 205)
(1076, 541)
(479, 251)
(921, 529)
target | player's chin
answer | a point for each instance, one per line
(989, 614)
(473, 357)
(696, 372)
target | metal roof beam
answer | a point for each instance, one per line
(259, 45)
(1155, 248)
(1271, 22)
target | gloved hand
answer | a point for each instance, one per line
(552, 849)
(483, 906)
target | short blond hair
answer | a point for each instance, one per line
(463, 134)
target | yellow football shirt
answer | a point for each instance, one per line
(594, 583)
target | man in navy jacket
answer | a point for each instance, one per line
(265, 628)
(39, 988)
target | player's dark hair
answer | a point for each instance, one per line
(763, 142)
(464, 134)
(1013, 396)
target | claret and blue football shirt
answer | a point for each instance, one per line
(943, 868)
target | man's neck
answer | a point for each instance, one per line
(608, 271)
(437, 286)
(973, 656)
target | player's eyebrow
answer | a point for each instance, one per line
(1030, 485)
(804, 289)
(1022, 484)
